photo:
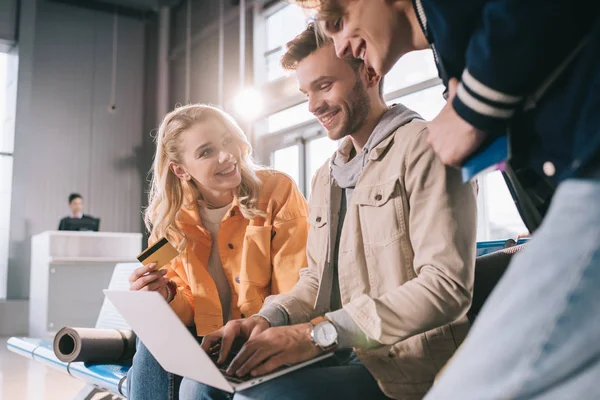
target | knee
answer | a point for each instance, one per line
(142, 357)
(143, 367)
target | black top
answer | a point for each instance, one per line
(85, 223)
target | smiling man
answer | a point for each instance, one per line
(391, 251)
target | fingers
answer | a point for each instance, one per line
(141, 271)
(277, 361)
(257, 325)
(240, 359)
(147, 279)
(248, 359)
(256, 359)
(211, 340)
(230, 332)
(155, 285)
(449, 159)
(257, 330)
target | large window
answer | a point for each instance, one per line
(7, 100)
(497, 212)
(287, 118)
(427, 102)
(288, 160)
(292, 141)
(282, 24)
(411, 69)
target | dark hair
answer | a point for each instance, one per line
(306, 43)
(74, 196)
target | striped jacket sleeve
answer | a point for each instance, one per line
(517, 45)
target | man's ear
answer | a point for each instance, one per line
(372, 78)
(179, 171)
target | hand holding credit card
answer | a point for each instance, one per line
(151, 276)
(160, 253)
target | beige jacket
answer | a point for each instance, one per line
(405, 264)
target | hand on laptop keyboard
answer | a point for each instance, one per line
(214, 355)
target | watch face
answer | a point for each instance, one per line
(325, 334)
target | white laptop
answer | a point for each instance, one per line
(175, 348)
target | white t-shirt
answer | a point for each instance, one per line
(211, 219)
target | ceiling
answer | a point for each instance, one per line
(123, 6)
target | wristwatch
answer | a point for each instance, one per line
(323, 334)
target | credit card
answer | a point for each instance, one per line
(161, 253)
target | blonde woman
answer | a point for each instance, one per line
(241, 231)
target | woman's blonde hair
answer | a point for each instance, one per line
(168, 194)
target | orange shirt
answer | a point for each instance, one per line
(260, 257)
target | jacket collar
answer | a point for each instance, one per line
(346, 147)
(377, 151)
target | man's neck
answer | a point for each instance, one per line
(419, 40)
(361, 136)
(413, 36)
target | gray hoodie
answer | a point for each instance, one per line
(346, 173)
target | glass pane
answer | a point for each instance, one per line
(3, 87)
(428, 102)
(6, 164)
(274, 69)
(414, 67)
(502, 219)
(287, 160)
(319, 150)
(282, 27)
(289, 117)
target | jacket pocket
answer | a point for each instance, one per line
(381, 212)
(256, 265)
(318, 235)
(413, 358)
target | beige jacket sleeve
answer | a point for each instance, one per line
(442, 229)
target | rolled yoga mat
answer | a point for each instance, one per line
(94, 345)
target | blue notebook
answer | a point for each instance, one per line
(491, 158)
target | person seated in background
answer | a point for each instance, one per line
(391, 252)
(241, 231)
(77, 221)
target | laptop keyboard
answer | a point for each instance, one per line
(214, 355)
(223, 368)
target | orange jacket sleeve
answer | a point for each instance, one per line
(183, 301)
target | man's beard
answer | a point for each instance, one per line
(355, 113)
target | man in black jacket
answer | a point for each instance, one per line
(77, 221)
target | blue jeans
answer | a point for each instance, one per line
(147, 380)
(329, 379)
(538, 335)
(341, 378)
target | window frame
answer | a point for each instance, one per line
(8, 129)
